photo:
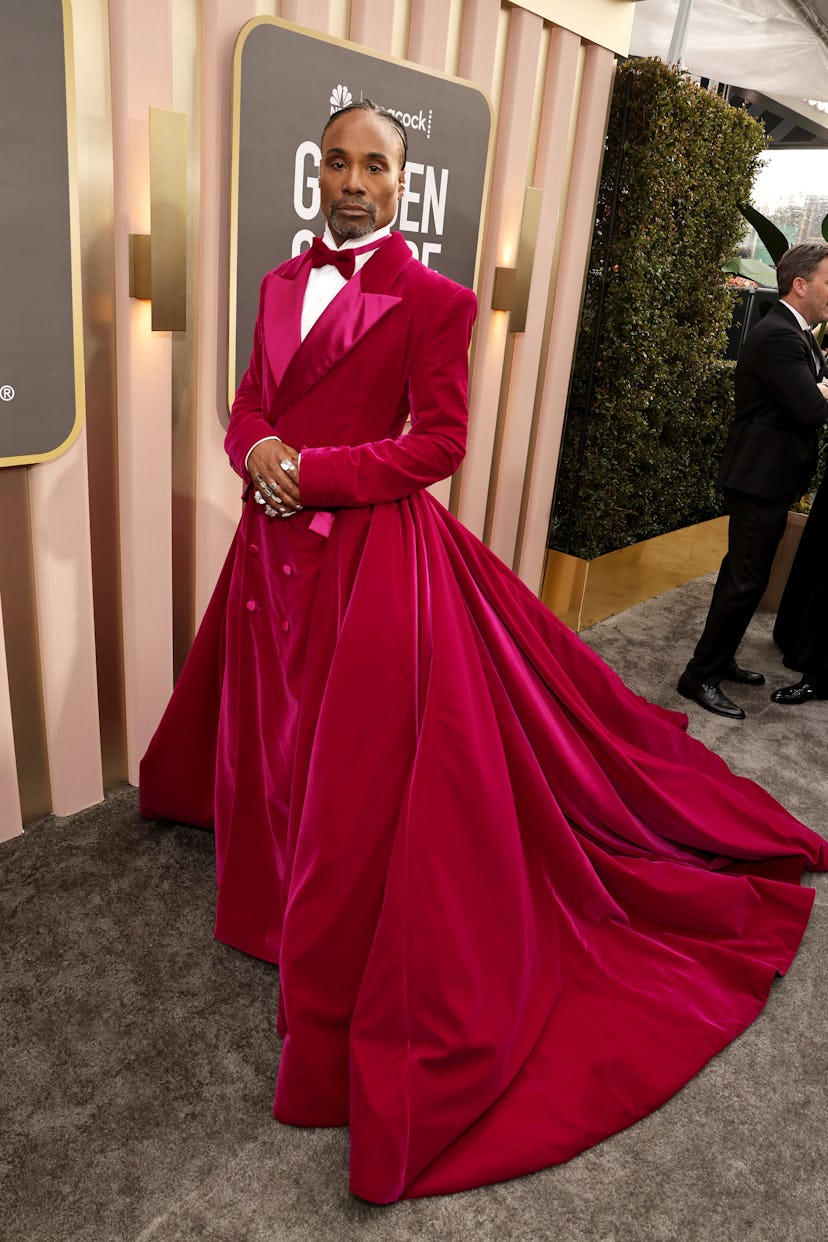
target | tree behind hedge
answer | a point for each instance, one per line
(651, 395)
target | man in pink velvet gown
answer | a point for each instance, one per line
(513, 905)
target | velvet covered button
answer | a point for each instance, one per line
(286, 626)
(251, 605)
(286, 569)
(254, 549)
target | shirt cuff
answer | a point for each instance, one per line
(252, 446)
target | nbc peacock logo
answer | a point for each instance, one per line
(340, 98)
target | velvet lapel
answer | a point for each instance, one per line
(283, 316)
(364, 300)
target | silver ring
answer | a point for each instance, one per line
(271, 512)
(288, 466)
(259, 499)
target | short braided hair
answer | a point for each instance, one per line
(368, 105)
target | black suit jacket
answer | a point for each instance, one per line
(771, 449)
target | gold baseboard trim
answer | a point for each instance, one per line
(584, 592)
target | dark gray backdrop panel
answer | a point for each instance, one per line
(288, 85)
(37, 358)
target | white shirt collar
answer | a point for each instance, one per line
(800, 319)
(351, 243)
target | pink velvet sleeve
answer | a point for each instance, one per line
(386, 470)
(247, 423)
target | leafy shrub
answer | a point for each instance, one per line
(650, 396)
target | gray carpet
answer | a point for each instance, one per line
(138, 1055)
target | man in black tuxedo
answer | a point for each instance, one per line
(768, 460)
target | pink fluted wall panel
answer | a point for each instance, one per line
(59, 500)
(428, 32)
(10, 818)
(140, 48)
(315, 14)
(476, 61)
(578, 223)
(506, 489)
(478, 41)
(505, 207)
(372, 23)
(217, 488)
(95, 172)
(62, 564)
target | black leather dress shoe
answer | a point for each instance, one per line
(710, 697)
(742, 675)
(802, 692)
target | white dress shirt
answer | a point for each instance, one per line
(803, 323)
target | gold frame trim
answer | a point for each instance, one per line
(28, 459)
(242, 38)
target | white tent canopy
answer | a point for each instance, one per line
(763, 45)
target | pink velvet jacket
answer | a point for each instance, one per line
(394, 342)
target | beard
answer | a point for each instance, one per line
(349, 227)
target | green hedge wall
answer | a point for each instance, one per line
(651, 395)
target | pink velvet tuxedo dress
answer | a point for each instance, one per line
(514, 906)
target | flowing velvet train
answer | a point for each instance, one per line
(514, 905)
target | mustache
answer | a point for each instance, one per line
(368, 208)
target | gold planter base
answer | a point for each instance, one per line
(583, 592)
(783, 560)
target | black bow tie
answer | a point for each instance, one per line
(322, 255)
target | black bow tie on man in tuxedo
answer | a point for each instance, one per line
(323, 256)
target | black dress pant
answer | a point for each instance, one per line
(801, 628)
(755, 529)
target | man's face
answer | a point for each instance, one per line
(813, 294)
(360, 177)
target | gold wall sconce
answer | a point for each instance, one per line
(158, 261)
(511, 284)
